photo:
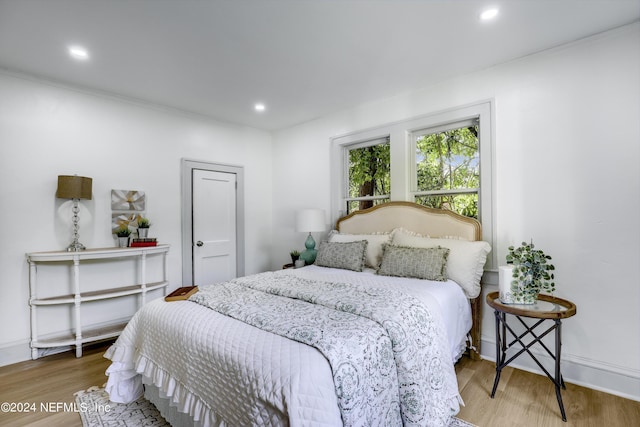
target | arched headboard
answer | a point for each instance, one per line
(413, 217)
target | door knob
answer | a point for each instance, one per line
(199, 243)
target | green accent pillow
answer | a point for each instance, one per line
(344, 255)
(421, 263)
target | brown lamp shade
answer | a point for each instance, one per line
(74, 187)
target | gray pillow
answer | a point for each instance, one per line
(347, 255)
(422, 263)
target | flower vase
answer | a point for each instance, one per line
(143, 233)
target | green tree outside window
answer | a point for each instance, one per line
(369, 176)
(448, 170)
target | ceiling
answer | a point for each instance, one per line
(301, 58)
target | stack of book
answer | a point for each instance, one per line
(139, 243)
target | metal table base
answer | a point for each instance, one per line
(502, 347)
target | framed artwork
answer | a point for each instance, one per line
(120, 219)
(127, 200)
(127, 207)
(124, 218)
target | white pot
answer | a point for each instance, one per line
(513, 293)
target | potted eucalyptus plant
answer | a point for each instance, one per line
(531, 273)
(123, 234)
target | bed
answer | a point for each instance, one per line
(336, 343)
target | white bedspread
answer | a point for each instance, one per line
(445, 298)
(276, 381)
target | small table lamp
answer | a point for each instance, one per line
(308, 221)
(75, 188)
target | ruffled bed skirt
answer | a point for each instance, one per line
(175, 401)
(168, 410)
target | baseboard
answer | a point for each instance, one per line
(578, 370)
(15, 352)
(20, 351)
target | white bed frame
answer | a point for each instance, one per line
(426, 221)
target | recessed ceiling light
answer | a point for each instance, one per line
(79, 53)
(259, 107)
(489, 14)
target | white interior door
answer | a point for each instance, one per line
(214, 226)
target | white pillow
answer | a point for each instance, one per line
(374, 244)
(465, 264)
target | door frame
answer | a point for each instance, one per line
(186, 169)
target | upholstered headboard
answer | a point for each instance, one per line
(413, 217)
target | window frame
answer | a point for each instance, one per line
(402, 155)
(345, 156)
(412, 138)
(340, 165)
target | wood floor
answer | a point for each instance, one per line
(522, 399)
(526, 399)
(51, 379)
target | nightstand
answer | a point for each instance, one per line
(546, 309)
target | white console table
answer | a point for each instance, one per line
(78, 297)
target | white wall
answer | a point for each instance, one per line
(48, 130)
(567, 132)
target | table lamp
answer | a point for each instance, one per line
(308, 221)
(75, 188)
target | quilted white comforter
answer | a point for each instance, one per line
(224, 372)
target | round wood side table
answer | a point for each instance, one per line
(547, 308)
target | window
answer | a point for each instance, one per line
(439, 160)
(447, 167)
(368, 174)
